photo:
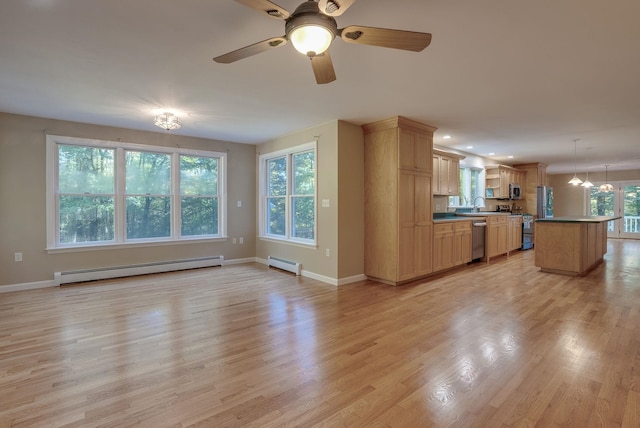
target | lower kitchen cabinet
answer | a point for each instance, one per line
(451, 244)
(497, 235)
(515, 233)
(462, 243)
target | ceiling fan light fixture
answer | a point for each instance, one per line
(167, 121)
(311, 39)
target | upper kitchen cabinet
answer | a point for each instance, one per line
(398, 214)
(446, 173)
(498, 179)
(412, 142)
(536, 176)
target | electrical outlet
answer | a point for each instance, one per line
(327, 252)
(18, 257)
(241, 240)
(234, 240)
(239, 204)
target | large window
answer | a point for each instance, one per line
(471, 187)
(110, 193)
(288, 194)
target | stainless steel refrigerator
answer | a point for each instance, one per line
(545, 202)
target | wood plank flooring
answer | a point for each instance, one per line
(497, 345)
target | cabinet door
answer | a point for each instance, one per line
(498, 236)
(504, 183)
(453, 177)
(423, 217)
(406, 226)
(443, 244)
(436, 175)
(515, 233)
(462, 244)
(414, 151)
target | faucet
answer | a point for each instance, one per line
(476, 208)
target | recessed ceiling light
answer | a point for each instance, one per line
(510, 157)
(469, 147)
(492, 154)
(447, 137)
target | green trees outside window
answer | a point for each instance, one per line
(86, 194)
(120, 193)
(289, 193)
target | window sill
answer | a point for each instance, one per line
(288, 242)
(97, 247)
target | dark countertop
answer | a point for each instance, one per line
(578, 219)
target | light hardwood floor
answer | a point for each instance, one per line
(497, 345)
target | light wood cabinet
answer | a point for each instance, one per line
(451, 244)
(497, 236)
(446, 173)
(498, 179)
(536, 176)
(515, 233)
(398, 214)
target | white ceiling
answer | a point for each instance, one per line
(513, 77)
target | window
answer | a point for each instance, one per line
(288, 194)
(471, 186)
(111, 193)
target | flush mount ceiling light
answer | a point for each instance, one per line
(606, 187)
(575, 180)
(167, 121)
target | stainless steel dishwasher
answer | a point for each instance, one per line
(479, 231)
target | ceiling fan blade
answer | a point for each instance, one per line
(323, 68)
(250, 50)
(270, 8)
(334, 7)
(386, 38)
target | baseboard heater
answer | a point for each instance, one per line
(131, 270)
(283, 264)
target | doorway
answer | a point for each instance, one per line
(623, 201)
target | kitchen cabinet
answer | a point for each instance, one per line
(515, 233)
(451, 244)
(536, 174)
(446, 173)
(398, 214)
(497, 235)
(498, 178)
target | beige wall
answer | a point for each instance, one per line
(340, 228)
(22, 200)
(571, 200)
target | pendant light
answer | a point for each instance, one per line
(606, 187)
(575, 180)
(587, 184)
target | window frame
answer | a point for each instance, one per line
(263, 185)
(455, 201)
(120, 240)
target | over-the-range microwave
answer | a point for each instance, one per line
(514, 191)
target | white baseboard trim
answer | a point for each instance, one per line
(352, 279)
(26, 286)
(240, 261)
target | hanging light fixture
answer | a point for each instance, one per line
(587, 184)
(575, 180)
(167, 121)
(606, 187)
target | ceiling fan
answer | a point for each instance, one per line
(312, 27)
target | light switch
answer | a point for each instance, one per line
(326, 203)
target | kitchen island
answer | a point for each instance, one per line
(571, 245)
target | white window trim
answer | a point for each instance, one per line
(263, 158)
(53, 244)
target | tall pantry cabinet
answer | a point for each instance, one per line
(398, 215)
